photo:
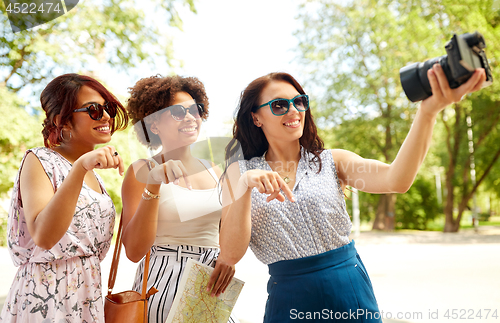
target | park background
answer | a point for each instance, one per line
(347, 55)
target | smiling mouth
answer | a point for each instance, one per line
(190, 129)
(102, 128)
(292, 123)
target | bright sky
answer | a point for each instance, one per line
(228, 44)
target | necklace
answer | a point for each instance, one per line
(286, 177)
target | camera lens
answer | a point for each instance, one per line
(464, 55)
(414, 78)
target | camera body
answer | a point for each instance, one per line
(465, 53)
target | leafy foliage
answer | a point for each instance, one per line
(93, 35)
(418, 206)
(113, 32)
(18, 132)
(351, 52)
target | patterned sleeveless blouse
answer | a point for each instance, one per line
(62, 284)
(317, 222)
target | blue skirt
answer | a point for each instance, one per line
(332, 286)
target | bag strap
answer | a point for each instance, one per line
(145, 276)
(116, 255)
(116, 259)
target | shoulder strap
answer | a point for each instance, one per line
(150, 162)
(116, 258)
(209, 168)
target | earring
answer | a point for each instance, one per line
(61, 135)
(257, 123)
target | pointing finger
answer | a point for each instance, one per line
(286, 189)
(121, 166)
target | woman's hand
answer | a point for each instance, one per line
(170, 171)
(102, 158)
(220, 278)
(443, 95)
(267, 182)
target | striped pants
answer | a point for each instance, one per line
(166, 266)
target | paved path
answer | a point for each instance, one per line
(417, 276)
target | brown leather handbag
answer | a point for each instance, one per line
(128, 306)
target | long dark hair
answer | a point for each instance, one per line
(249, 140)
(60, 97)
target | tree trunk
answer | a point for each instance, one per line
(384, 218)
(450, 225)
(379, 223)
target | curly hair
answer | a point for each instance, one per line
(152, 94)
(60, 98)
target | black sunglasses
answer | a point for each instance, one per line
(96, 111)
(280, 107)
(179, 112)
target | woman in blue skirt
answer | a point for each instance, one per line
(285, 198)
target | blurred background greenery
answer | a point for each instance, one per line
(349, 55)
(352, 53)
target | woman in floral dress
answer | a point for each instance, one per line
(61, 217)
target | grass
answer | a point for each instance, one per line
(438, 224)
(465, 223)
(481, 223)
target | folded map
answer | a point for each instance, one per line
(193, 304)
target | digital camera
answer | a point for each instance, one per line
(465, 53)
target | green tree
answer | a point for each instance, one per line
(94, 35)
(482, 108)
(18, 132)
(113, 32)
(352, 53)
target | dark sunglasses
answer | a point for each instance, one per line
(280, 107)
(96, 111)
(179, 112)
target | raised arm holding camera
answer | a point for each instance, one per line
(295, 220)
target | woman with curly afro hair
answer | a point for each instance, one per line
(158, 193)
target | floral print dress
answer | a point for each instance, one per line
(62, 284)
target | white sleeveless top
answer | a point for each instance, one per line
(189, 217)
